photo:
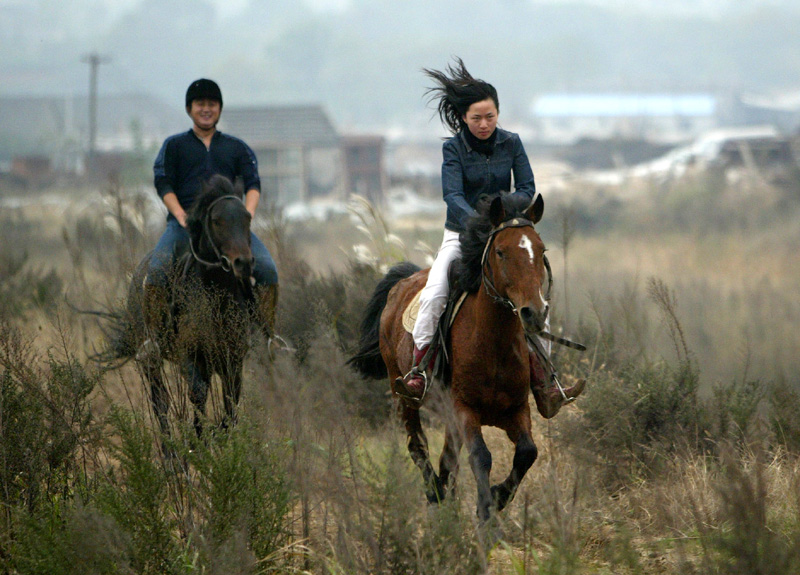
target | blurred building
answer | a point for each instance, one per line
(364, 166)
(301, 156)
(564, 118)
(297, 149)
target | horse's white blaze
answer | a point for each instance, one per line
(526, 244)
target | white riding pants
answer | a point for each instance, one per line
(433, 298)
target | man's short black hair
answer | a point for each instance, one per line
(203, 89)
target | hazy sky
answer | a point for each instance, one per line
(362, 59)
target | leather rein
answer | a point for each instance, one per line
(223, 261)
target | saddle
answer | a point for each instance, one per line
(455, 299)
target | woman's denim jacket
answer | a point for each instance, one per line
(468, 174)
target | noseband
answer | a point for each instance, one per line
(223, 261)
(486, 268)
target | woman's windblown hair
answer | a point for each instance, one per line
(455, 91)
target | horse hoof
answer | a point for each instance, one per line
(435, 492)
(148, 351)
(501, 496)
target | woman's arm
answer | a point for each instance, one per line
(453, 184)
(523, 174)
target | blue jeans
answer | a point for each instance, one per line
(175, 239)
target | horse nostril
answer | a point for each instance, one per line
(242, 263)
(533, 317)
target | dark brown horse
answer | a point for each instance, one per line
(491, 369)
(205, 326)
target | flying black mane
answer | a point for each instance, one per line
(216, 187)
(474, 238)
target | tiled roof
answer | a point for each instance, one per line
(280, 125)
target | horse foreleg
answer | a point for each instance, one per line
(198, 379)
(480, 460)
(418, 449)
(525, 453)
(159, 397)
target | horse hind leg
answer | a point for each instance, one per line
(418, 449)
(448, 461)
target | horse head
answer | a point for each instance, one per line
(219, 228)
(515, 270)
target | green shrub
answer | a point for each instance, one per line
(784, 416)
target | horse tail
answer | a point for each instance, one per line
(367, 360)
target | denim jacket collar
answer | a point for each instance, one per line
(502, 136)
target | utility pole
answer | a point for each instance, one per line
(94, 60)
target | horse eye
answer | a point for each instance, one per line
(500, 253)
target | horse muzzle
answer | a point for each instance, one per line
(241, 266)
(534, 320)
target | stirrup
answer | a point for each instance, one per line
(148, 350)
(281, 344)
(560, 388)
(400, 383)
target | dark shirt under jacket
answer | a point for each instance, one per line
(183, 163)
(467, 174)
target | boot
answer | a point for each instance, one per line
(155, 313)
(549, 398)
(415, 383)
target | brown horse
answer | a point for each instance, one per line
(491, 369)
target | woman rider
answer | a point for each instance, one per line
(479, 159)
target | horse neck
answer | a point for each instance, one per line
(498, 322)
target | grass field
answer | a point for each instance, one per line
(681, 457)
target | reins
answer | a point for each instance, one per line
(492, 292)
(488, 284)
(223, 261)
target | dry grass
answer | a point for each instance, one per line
(359, 505)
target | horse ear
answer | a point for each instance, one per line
(536, 209)
(238, 188)
(497, 213)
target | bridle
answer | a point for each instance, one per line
(223, 261)
(486, 267)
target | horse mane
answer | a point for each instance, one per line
(473, 239)
(216, 187)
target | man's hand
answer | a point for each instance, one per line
(173, 205)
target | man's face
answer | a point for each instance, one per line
(205, 113)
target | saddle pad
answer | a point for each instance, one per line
(410, 313)
(412, 309)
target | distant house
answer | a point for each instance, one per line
(564, 118)
(364, 166)
(301, 156)
(297, 149)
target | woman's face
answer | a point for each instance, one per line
(481, 118)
